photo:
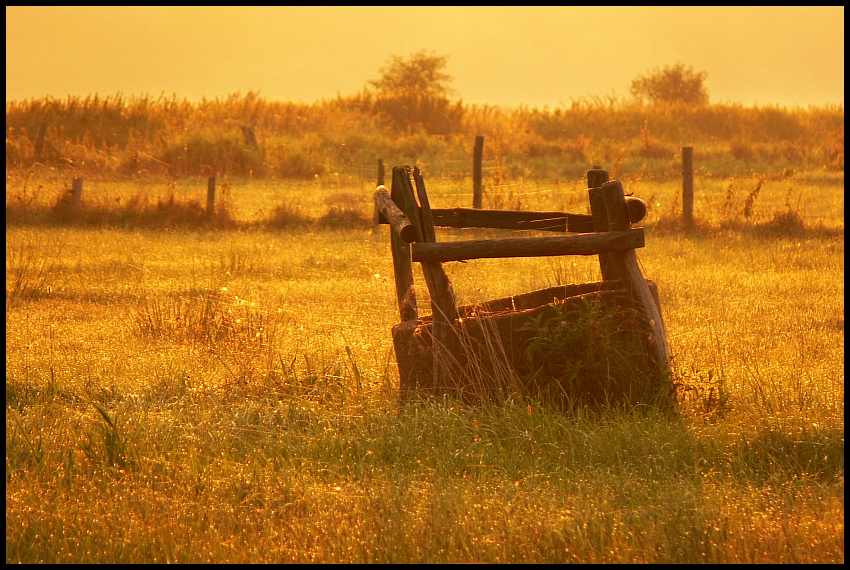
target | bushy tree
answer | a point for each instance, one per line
(672, 84)
(420, 74)
(414, 93)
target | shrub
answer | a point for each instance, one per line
(672, 84)
(344, 218)
(296, 163)
(286, 215)
(413, 94)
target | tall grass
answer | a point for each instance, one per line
(142, 136)
(30, 261)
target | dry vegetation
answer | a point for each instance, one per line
(184, 388)
(145, 137)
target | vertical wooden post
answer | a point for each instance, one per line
(596, 177)
(402, 266)
(629, 273)
(376, 214)
(39, 140)
(210, 196)
(688, 186)
(477, 155)
(76, 194)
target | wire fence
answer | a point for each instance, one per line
(446, 191)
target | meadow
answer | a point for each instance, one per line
(184, 390)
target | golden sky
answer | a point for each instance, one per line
(499, 55)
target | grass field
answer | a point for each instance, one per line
(189, 394)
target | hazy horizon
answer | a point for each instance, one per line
(508, 56)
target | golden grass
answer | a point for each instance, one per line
(145, 137)
(138, 431)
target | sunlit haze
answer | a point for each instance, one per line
(503, 55)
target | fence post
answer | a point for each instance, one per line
(629, 272)
(76, 194)
(376, 214)
(688, 186)
(210, 196)
(39, 140)
(596, 177)
(402, 266)
(477, 155)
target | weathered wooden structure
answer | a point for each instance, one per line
(480, 350)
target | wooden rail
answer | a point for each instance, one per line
(526, 220)
(511, 220)
(577, 244)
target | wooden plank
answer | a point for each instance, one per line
(399, 222)
(533, 299)
(510, 219)
(525, 219)
(575, 244)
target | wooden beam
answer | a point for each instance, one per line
(399, 222)
(596, 177)
(576, 244)
(627, 268)
(636, 208)
(402, 267)
(524, 219)
(445, 347)
(510, 219)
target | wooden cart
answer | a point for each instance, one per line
(481, 351)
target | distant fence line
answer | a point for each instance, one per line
(688, 188)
